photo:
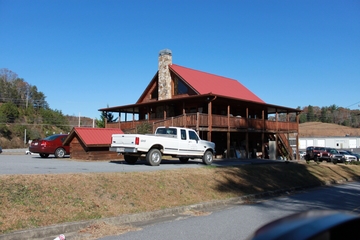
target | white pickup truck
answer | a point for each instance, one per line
(182, 143)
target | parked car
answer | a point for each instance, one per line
(348, 157)
(314, 153)
(354, 154)
(325, 154)
(301, 154)
(335, 156)
(50, 145)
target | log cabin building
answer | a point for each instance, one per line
(220, 109)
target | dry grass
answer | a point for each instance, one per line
(28, 201)
(318, 129)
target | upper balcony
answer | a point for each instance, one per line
(203, 122)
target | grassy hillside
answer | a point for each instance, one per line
(12, 135)
(318, 129)
(30, 201)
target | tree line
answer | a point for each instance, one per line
(331, 114)
(22, 104)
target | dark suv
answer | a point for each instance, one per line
(315, 153)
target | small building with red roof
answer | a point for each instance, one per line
(91, 143)
(220, 109)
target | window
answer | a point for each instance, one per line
(193, 135)
(183, 134)
(154, 94)
(180, 87)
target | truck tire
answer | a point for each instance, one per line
(207, 158)
(130, 159)
(184, 160)
(153, 157)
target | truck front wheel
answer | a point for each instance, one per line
(153, 157)
(130, 159)
(207, 158)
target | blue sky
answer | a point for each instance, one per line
(85, 54)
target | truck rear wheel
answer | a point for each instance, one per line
(153, 157)
(207, 158)
(130, 159)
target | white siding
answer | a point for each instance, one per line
(321, 143)
(352, 143)
(302, 144)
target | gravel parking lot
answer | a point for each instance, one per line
(15, 161)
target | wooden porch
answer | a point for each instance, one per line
(218, 123)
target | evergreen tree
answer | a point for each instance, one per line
(310, 114)
(105, 115)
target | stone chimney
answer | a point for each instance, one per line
(164, 81)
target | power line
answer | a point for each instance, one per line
(353, 104)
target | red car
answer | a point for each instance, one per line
(50, 145)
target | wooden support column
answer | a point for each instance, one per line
(209, 121)
(247, 117)
(262, 145)
(228, 135)
(164, 117)
(263, 135)
(184, 117)
(133, 120)
(247, 144)
(297, 135)
(197, 121)
(119, 120)
(247, 132)
(164, 112)
(276, 146)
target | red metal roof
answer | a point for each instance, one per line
(94, 136)
(205, 83)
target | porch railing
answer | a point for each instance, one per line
(200, 120)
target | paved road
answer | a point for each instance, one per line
(19, 163)
(239, 221)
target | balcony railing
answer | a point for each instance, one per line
(199, 120)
